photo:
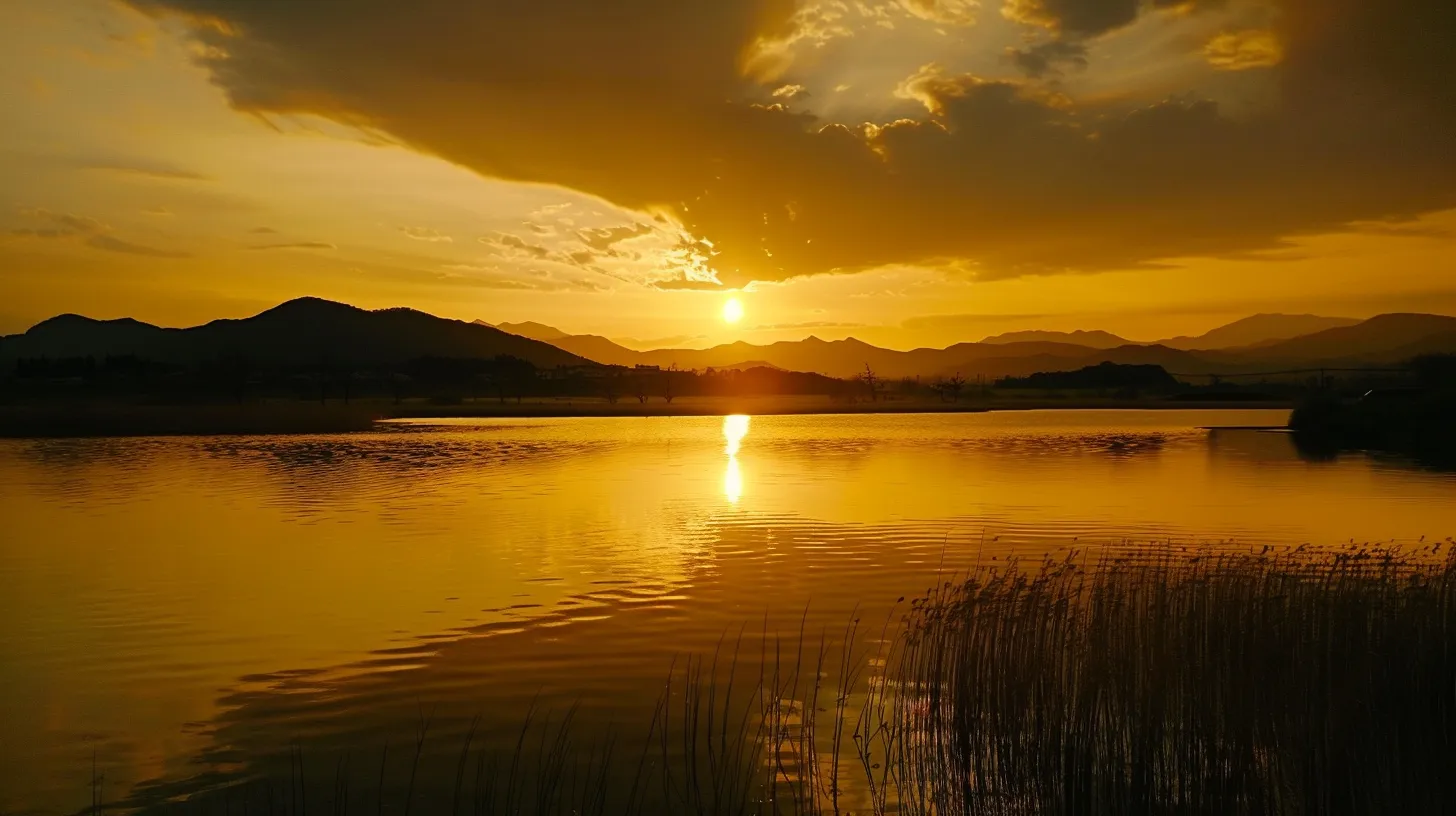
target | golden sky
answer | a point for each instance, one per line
(910, 172)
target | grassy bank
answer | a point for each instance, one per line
(1290, 683)
(100, 419)
(76, 418)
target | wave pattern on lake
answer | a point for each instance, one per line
(181, 608)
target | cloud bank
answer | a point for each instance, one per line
(666, 106)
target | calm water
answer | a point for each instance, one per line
(180, 607)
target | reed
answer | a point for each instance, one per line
(1221, 683)
(1213, 683)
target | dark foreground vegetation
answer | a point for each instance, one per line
(128, 395)
(1163, 683)
(1416, 418)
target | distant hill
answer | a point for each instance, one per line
(1090, 339)
(1102, 375)
(1384, 338)
(306, 331)
(1259, 329)
(533, 330)
(600, 350)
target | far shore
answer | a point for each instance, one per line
(66, 418)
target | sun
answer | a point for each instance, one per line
(732, 311)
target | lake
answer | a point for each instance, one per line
(184, 611)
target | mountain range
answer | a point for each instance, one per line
(299, 332)
(1256, 343)
(308, 331)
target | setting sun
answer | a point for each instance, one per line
(732, 311)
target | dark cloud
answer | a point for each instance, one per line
(1089, 18)
(262, 231)
(646, 103)
(110, 243)
(1037, 61)
(1079, 17)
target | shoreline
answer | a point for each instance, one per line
(65, 419)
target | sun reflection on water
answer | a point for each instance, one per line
(735, 427)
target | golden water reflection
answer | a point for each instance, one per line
(735, 427)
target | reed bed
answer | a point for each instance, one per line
(1215, 683)
(1271, 683)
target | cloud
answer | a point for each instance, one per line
(62, 224)
(295, 245)
(1242, 50)
(651, 108)
(1037, 61)
(262, 231)
(96, 234)
(110, 243)
(147, 169)
(688, 285)
(790, 92)
(1081, 17)
(157, 211)
(604, 239)
(514, 246)
(426, 234)
(945, 12)
(1090, 18)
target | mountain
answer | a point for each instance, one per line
(306, 331)
(1387, 338)
(1259, 329)
(599, 350)
(1090, 339)
(533, 330)
(847, 358)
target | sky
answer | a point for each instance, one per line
(909, 172)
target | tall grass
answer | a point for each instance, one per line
(1271, 683)
(1224, 683)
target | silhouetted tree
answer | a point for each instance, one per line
(667, 378)
(871, 381)
(512, 376)
(954, 385)
(611, 388)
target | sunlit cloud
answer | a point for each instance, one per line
(1243, 50)
(426, 234)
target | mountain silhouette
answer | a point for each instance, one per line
(306, 331)
(310, 331)
(1090, 339)
(1384, 338)
(1257, 330)
(1380, 340)
(531, 329)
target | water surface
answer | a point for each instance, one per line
(178, 607)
